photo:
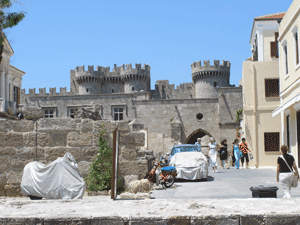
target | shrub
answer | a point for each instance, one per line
(99, 177)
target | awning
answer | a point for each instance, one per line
(286, 105)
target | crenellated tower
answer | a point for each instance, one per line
(103, 81)
(208, 78)
(135, 79)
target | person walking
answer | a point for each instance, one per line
(212, 153)
(198, 144)
(285, 165)
(244, 148)
(224, 154)
(237, 153)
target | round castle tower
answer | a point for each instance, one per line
(137, 79)
(120, 80)
(208, 78)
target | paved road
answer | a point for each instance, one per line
(225, 184)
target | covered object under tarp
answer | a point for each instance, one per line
(59, 179)
(190, 165)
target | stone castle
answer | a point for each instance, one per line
(203, 108)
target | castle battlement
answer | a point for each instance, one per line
(42, 92)
(116, 71)
(196, 66)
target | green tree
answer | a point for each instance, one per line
(8, 20)
(99, 176)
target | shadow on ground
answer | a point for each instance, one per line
(209, 178)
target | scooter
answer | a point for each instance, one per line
(162, 174)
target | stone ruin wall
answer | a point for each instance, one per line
(57, 136)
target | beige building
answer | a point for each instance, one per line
(261, 92)
(289, 110)
(10, 81)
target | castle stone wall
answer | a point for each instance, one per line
(137, 85)
(55, 137)
(157, 116)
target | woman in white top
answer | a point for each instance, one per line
(212, 153)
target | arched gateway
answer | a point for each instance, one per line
(192, 138)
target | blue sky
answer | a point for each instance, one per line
(169, 35)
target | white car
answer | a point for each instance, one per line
(190, 165)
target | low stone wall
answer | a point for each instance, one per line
(154, 220)
(47, 139)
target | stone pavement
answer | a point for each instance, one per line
(225, 184)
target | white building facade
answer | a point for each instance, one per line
(289, 110)
(10, 82)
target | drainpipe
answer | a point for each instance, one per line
(255, 116)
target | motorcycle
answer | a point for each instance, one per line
(162, 174)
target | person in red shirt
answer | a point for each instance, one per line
(244, 148)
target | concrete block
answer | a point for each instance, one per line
(13, 139)
(8, 151)
(22, 221)
(133, 138)
(128, 152)
(4, 126)
(52, 153)
(218, 219)
(83, 139)
(59, 139)
(128, 179)
(138, 167)
(31, 152)
(89, 153)
(86, 125)
(22, 126)
(44, 139)
(4, 163)
(84, 167)
(29, 139)
(58, 124)
(14, 177)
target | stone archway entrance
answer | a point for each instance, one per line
(192, 139)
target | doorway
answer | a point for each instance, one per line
(192, 139)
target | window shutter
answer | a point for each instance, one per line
(18, 96)
(273, 49)
(272, 141)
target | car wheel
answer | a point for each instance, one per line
(169, 181)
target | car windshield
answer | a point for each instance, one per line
(183, 149)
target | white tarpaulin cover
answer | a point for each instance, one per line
(59, 179)
(190, 165)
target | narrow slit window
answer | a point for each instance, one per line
(296, 48)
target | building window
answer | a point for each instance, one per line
(16, 95)
(199, 116)
(272, 142)
(87, 90)
(296, 47)
(288, 130)
(48, 113)
(272, 87)
(112, 91)
(132, 88)
(285, 59)
(274, 46)
(72, 113)
(215, 84)
(118, 114)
